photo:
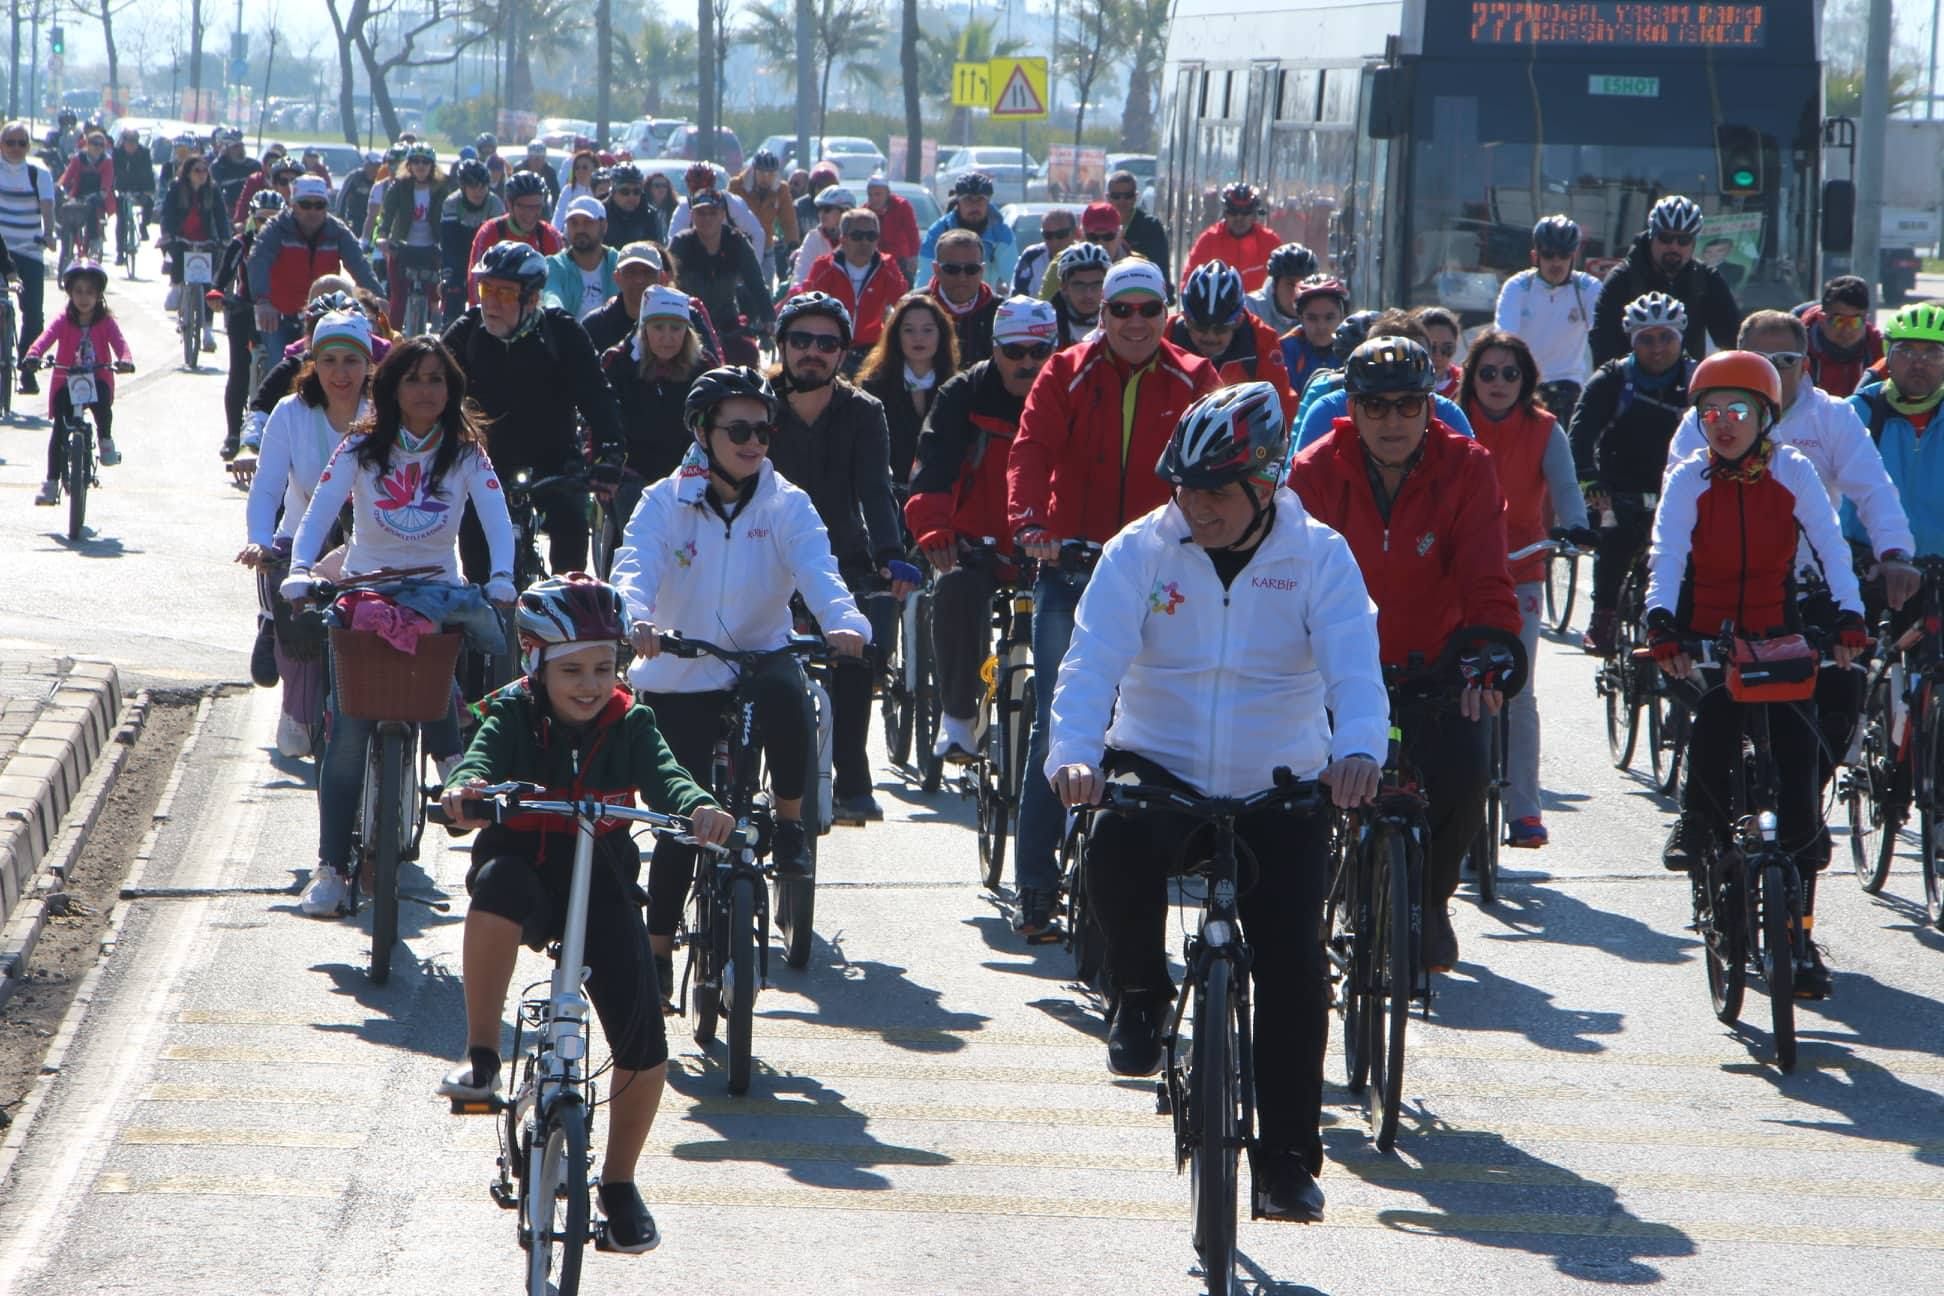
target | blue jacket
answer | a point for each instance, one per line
(1001, 252)
(1324, 402)
(1306, 361)
(565, 286)
(1915, 465)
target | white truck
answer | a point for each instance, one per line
(1913, 204)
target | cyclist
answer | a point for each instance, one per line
(530, 369)
(192, 213)
(1392, 468)
(231, 167)
(580, 277)
(1083, 278)
(1500, 394)
(303, 430)
(523, 222)
(1324, 398)
(718, 265)
(89, 177)
(354, 199)
(959, 286)
(1441, 334)
(1095, 417)
(631, 218)
(761, 186)
(1349, 335)
(580, 184)
(1099, 226)
(1263, 624)
(535, 163)
(1142, 231)
(709, 176)
(276, 162)
(729, 520)
(915, 355)
(1900, 411)
(958, 492)
(569, 724)
(1620, 431)
(27, 229)
(639, 268)
(81, 337)
(1058, 228)
(239, 316)
(971, 209)
(1551, 307)
(899, 220)
(867, 281)
(469, 205)
(1275, 302)
(1320, 302)
(421, 450)
(1238, 238)
(1844, 342)
(134, 176)
(1213, 324)
(408, 226)
(294, 248)
(1724, 554)
(832, 440)
(829, 206)
(651, 378)
(1662, 261)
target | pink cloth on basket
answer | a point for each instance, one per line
(400, 626)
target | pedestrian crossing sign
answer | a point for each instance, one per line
(1019, 89)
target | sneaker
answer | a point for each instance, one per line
(1601, 631)
(29, 385)
(293, 736)
(263, 655)
(1134, 1040)
(108, 455)
(630, 1228)
(1286, 1190)
(1528, 833)
(327, 893)
(856, 810)
(790, 848)
(209, 338)
(231, 444)
(172, 300)
(1034, 917)
(461, 1083)
(1687, 845)
(1440, 941)
(121, 258)
(955, 740)
(50, 493)
(1812, 976)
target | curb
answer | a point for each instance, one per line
(43, 777)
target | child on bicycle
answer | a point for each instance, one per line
(571, 726)
(715, 550)
(1723, 554)
(82, 337)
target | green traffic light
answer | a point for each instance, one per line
(1744, 178)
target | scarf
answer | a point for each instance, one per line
(919, 382)
(1834, 351)
(417, 444)
(1749, 468)
(1907, 406)
(979, 299)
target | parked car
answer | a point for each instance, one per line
(1024, 217)
(686, 140)
(923, 205)
(855, 157)
(564, 132)
(1006, 166)
(646, 137)
(1142, 165)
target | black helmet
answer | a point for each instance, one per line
(521, 184)
(471, 171)
(813, 303)
(512, 259)
(1212, 296)
(1557, 235)
(1228, 435)
(719, 385)
(1292, 261)
(765, 160)
(1351, 333)
(1388, 365)
(976, 184)
(625, 173)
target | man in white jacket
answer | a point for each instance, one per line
(1237, 635)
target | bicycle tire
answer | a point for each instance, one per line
(1622, 710)
(558, 1178)
(8, 344)
(992, 814)
(927, 705)
(899, 717)
(1778, 962)
(705, 960)
(1559, 602)
(1676, 726)
(1931, 852)
(1656, 726)
(1083, 940)
(794, 899)
(1213, 1086)
(1932, 859)
(384, 853)
(415, 314)
(1390, 1003)
(1873, 821)
(191, 319)
(1491, 834)
(1347, 925)
(1719, 920)
(80, 471)
(739, 980)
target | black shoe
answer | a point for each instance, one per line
(1811, 976)
(1687, 845)
(1134, 1040)
(1440, 941)
(630, 1228)
(231, 444)
(28, 385)
(790, 848)
(665, 980)
(1034, 917)
(856, 810)
(1287, 1191)
(263, 657)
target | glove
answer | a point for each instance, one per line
(124, 366)
(1663, 636)
(902, 571)
(296, 587)
(29, 364)
(605, 472)
(1852, 633)
(500, 590)
(942, 539)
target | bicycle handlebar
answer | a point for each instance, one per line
(1498, 662)
(497, 802)
(808, 647)
(1298, 796)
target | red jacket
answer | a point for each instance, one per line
(1518, 445)
(959, 485)
(1078, 468)
(1254, 355)
(1248, 254)
(1838, 371)
(898, 227)
(1438, 564)
(543, 237)
(881, 292)
(73, 180)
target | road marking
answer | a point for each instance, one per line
(160, 1136)
(281, 1095)
(116, 1182)
(246, 1054)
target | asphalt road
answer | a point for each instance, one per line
(242, 1113)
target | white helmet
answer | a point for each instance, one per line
(1674, 215)
(1655, 310)
(837, 196)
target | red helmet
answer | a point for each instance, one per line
(575, 609)
(700, 175)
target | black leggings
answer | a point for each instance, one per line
(1714, 752)
(239, 326)
(565, 524)
(1451, 753)
(961, 633)
(689, 724)
(104, 421)
(851, 682)
(1619, 545)
(524, 877)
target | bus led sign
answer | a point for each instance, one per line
(1597, 22)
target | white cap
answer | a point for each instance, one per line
(536, 146)
(646, 254)
(1025, 319)
(342, 328)
(309, 186)
(1134, 275)
(837, 196)
(588, 207)
(373, 157)
(661, 302)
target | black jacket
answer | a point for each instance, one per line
(1145, 236)
(532, 385)
(1620, 433)
(729, 281)
(354, 200)
(953, 440)
(1072, 328)
(651, 412)
(974, 328)
(231, 280)
(842, 461)
(229, 175)
(902, 422)
(134, 172)
(642, 225)
(612, 325)
(1710, 303)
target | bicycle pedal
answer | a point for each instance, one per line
(504, 1195)
(490, 1106)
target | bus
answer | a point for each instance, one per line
(1411, 144)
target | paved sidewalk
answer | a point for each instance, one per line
(27, 682)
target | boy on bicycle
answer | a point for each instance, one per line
(572, 727)
(1227, 620)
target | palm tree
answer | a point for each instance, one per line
(977, 41)
(1083, 55)
(841, 30)
(543, 29)
(662, 60)
(1146, 39)
(908, 68)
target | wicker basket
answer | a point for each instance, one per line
(375, 681)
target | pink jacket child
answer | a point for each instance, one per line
(66, 337)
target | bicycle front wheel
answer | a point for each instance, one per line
(739, 980)
(1390, 1001)
(1718, 916)
(1931, 854)
(556, 1205)
(191, 318)
(80, 471)
(1873, 821)
(1485, 851)
(384, 838)
(1347, 929)
(993, 815)
(9, 343)
(1778, 961)
(1214, 1088)
(1562, 584)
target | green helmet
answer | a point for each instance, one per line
(1918, 322)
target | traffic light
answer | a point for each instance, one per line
(1738, 150)
(58, 41)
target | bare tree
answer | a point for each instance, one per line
(106, 11)
(195, 56)
(355, 26)
(1084, 56)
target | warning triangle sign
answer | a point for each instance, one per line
(1018, 98)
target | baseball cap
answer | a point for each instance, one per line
(1133, 277)
(309, 186)
(640, 254)
(661, 302)
(877, 181)
(588, 207)
(342, 328)
(704, 198)
(1100, 218)
(1025, 319)
(536, 147)
(373, 157)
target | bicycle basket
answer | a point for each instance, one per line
(300, 637)
(375, 681)
(1772, 670)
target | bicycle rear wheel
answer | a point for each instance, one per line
(739, 980)
(191, 321)
(1214, 1088)
(1562, 584)
(556, 1205)
(1718, 917)
(383, 847)
(794, 899)
(1347, 928)
(80, 471)
(1616, 685)
(1931, 852)
(1676, 723)
(1778, 961)
(1491, 834)
(1873, 820)
(1390, 1001)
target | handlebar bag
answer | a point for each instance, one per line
(1773, 670)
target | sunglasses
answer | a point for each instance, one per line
(1843, 321)
(740, 431)
(1924, 353)
(1379, 406)
(1103, 238)
(803, 340)
(628, 191)
(1023, 351)
(1675, 240)
(961, 267)
(499, 291)
(1127, 310)
(1500, 373)
(15, 142)
(1122, 195)
(862, 236)
(1785, 359)
(1733, 411)
(1445, 349)
(1050, 234)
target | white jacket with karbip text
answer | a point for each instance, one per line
(683, 568)
(1221, 686)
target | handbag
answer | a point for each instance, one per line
(1782, 669)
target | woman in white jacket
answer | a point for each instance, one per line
(714, 551)
(1237, 636)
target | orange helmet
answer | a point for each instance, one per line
(1747, 371)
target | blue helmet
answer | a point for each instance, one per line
(512, 259)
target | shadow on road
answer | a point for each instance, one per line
(868, 995)
(421, 1009)
(92, 546)
(1498, 1003)
(1550, 914)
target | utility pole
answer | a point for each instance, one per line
(1930, 94)
(705, 96)
(603, 85)
(1871, 130)
(13, 69)
(195, 60)
(806, 83)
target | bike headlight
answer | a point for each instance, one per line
(1215, 933)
